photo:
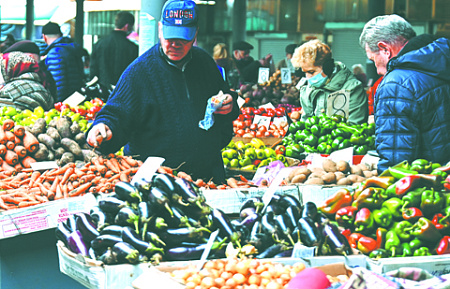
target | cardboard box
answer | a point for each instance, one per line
(318, 193)
(435, 265)
(43, 216)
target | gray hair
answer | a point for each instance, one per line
(391, 29)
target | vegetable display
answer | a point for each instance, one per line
(402, 212)
(325, 134)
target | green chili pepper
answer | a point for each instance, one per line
(392, 243)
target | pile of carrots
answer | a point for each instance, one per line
(27, 187)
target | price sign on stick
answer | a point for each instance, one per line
(263, 75)
(268, 195)
(285, 75)
(147, 169)
(262, 120)
(338, 103)
(208, 247)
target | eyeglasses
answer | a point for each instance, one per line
(178, 41)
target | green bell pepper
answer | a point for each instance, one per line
(405, 250)
(370, 197)
(311, 140)
(421, 166)
(415, 244)
(402, 229)
(422, 251)
(379, 253)
(364, 222)
(392, 243)
(360, 149)
(394, 206)
(382, 217)
(357, 139)
(425, 231)
(413, 198)
(431, 202)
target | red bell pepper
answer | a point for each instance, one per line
(353, 239)
(381, 237)
(345, 216)
(366, 245)
(411, 182)
(441, 222)
(443, 246)
(412, 214)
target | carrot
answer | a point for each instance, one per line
(67, 174)
(108, 174)
(34, 176)
(62, 170)
(2, 149)
(75, 184)
(21, 151)
(112, 166)
(3, 138)
(18, 167)
(123, 164)
(30, 142)
(59, 193)
(17, 140)
(27, 161)
(55, 184)
(24, 204)
(80, 190)
(10, 136)
(8, 124)
(19, 130)
(3, 205)
(41, 199)
(184, 175)
(10, 145)
(132, 162)
(232, 182)
(8, 168)
(87, 178)
(11, 158)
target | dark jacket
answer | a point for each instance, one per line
(412, 104)
(63, 59)
(155, 110)
(248, 70)
(111, 56)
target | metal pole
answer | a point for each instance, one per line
(79, 22)
(149, 17)
(29, 23)
(239, 20)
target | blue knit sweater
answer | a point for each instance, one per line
(155, 109)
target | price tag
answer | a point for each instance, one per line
(338, 103)
(262, 120)
(279, 120)
(286, 75)
(147, 169)
(302, 251)
(39, 166)
(75, 99)
(240, 101)
(267, 105)
(208, 247)
(274, 185)
(263, 74)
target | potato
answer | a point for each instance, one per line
(59, 152)
(339, 175)
(66, 158)
(363, 167)
(42, 153)
(315, 176)
(63, 126)
(329, 178)
(342, 166)
(329, 165)
(300, 178)
(88, 155)
(367, 174)
(295, 171)
(356, 170)
(80, 138)
(314, 181)
(47, 140)
(39, 126)
(374, 173)
(54, 134)
(344, 182)
(72, 146)
(75, 128)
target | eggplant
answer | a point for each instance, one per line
(86, 226)
(76, 243)
(62, 233)
(159, 200)
(253, 202)
(132, 238)
(125, 191)
(190, 193)
(102, 242)
(274, 207)
(71, 222)
(310, 211)
(126, 253)
(100, 218)
(166, 183)
(250, 220)
(143, 186)
(294, 214)
(284, 253)
(111, 205)
(177, 219)
(271, 227)
(334, 238)
(109, 257)
(197, 214)
(115, 230)
(284, 224)
(308, 232)
(258, 238)
(154, 238)
(288, 200)
(128, 216)
(145, 214)
(272, 251)
(186, 234)
(244, 213)
(92, 254)
(192, 253)
(222, 222)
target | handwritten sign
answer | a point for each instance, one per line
(338, 103)
(262, 120)
(286, 75)
(263, 75)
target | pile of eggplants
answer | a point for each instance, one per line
(168, 219)
(275, 229)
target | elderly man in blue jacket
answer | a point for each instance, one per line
(412, 102)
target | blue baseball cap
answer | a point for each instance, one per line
(179, 19)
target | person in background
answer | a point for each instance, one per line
(33, 50)
(286, 62)
(112, 54)
(412, 101)
(9, 40)
(324, 76)
(158, 104)
(225, 63)
(247, 66)
(22, 83)
(358, 71)
(63, 58)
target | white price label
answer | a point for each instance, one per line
(39, 166)
(147, 169)
(263, 75)
(75, 99)
(262, 120)
(338, 103)
(286, 75)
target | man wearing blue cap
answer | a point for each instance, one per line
(161, 98)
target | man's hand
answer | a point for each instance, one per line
(227, 105)
(98, 134)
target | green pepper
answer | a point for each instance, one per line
(294, 151)
(431, 201)
(415, 244)
(316, 130)
(370, 197)
(370, 142)
(293, 127)
(357, 139)
(338, 133)
(422, 251)
(402, 229)
(360, 150)
(394, 206)
(312, 120)
(324, 138)
(378, 254)
(311, 140)
(345, 216)
(421, 166)
(382, 217)
(364, 222)
(405, 250)
(322, 147)
(301, 135)
(412, 198)
(392, 243)
(344, 144)
(426, 231)
(328, 149)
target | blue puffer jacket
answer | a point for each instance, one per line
(412, 104)
(63, 59)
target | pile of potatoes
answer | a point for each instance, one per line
(339, 173)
